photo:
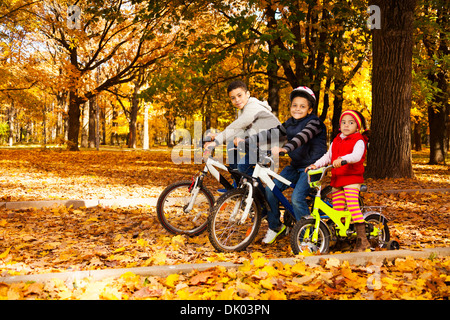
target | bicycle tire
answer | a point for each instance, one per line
(174, 219)
(302, 228)
(377, 219)
(225, 232)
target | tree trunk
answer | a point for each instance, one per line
(92, 123)
(133, 118)
(146, 141)
(417, 136)
(437, 123)
(11, 122)
(435, 42)
(389, 153)
(337, 107)
(74, 122)
(274, 96)
(274, 87)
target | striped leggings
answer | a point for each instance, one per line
(349, 195)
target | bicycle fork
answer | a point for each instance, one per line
(248, 204)
(194, 189)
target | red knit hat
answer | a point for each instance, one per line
(354, 115)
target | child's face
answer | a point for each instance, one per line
(300, 108)
(348, 125)
(239, 97)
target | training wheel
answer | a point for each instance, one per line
(393, 245)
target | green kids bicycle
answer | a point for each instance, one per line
(326, 226)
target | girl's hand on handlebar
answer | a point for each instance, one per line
(311, 167)
(338, 163)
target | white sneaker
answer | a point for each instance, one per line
(272, 235)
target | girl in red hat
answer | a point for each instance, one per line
(349, 145)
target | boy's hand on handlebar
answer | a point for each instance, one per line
(237, 140)
(209, 145)
(278, 150)
(311, 167)
(211, 135)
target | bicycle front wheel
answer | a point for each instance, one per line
(173, 212)
(227, 231)
(301, 237)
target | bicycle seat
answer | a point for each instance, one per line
(363, 188)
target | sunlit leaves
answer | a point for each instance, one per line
(401, 279)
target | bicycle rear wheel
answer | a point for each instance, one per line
(227, 232)
(380, 240)
(171, 209)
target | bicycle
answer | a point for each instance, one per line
(235, 219)
(325, 226)
(183, 206)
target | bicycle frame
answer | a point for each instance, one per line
(264, 174)
(334, 215)
(210, 166)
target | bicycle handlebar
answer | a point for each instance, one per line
(207, 139)
(322, 171)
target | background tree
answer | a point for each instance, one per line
(389, 153)
(433, 64)
(110, 37)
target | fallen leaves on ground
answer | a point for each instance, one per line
(62, 239)
(27, 175)
(66, 239)
(48, 175)
(404, 278)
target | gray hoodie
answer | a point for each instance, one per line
(254, 117)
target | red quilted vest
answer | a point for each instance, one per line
(349, 173)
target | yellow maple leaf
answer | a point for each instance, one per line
(256, 255)
(171, 279)
(178, 241)
(226, 294)
(246, 266)
(273, 295)
(300, 268)
(142, 242)
(129, 276)
(266, 284)
(260, 262)
(159, 258)
(5, 253)
(119, 250)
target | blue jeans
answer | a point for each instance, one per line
(246, 164)
(233, 156)
(298, 199)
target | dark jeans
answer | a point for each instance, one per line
(300, 178)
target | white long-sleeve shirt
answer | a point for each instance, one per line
(355, 156)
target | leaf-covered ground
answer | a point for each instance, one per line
(64, 239)
(419, 279)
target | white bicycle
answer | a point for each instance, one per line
(235, 219)
(183, 207)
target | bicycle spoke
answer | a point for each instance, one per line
(172, 209)
(227, 232)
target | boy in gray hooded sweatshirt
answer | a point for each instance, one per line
(253, 116)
